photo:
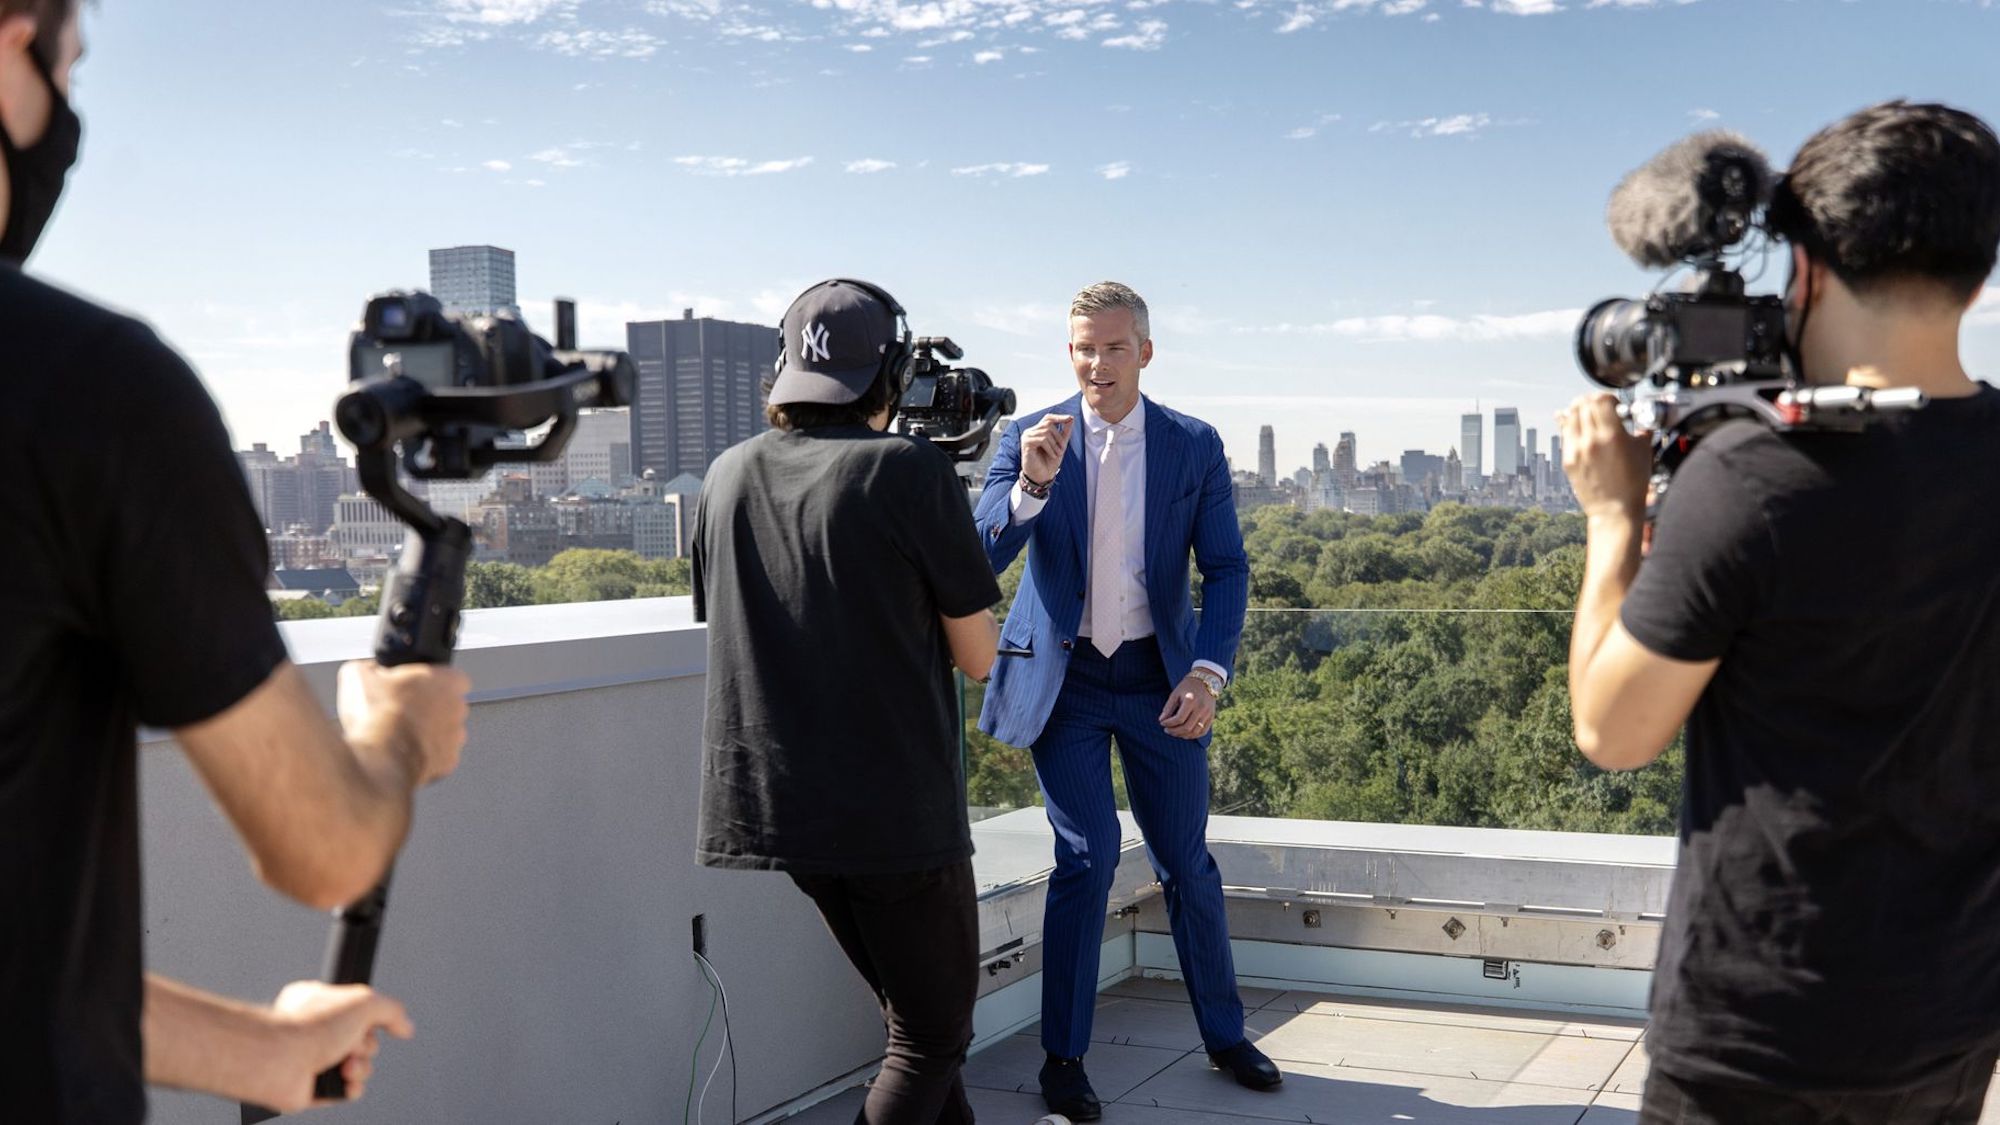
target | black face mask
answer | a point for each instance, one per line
(36, 173)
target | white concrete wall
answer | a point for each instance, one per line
(539, 922)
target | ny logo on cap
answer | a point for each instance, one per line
(813, 342)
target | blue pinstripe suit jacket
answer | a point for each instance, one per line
(1190, 507)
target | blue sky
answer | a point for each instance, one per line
(1347, 214)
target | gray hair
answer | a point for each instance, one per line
(1107, 295)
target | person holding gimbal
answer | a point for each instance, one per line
(132, 591)
(840, 576)
(1822, 609)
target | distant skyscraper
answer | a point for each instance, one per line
(1420, 468)
(1321, 462)
(301, 490)
(474, 279)
(600, 448)
(320, 441)
(1471, 431)
(1454, 471)
(1267, 457)
(1506, 441)
(1345, 459)
(700, 390)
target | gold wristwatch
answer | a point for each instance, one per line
(1209, 680)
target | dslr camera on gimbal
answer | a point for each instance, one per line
(1686, 361)
(956, 408)
(442, 390)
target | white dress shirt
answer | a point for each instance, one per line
(1131, 448)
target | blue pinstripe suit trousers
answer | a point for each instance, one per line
(1167, 778)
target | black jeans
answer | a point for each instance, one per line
(1954, 1097)
(915, 939)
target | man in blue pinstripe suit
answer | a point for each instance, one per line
(1110, 492)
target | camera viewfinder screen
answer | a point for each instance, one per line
(1711, 333)
(922, 393)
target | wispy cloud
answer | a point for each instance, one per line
(1304, 15)
(1026, 319)
(1117, 170)
(559, 156)
(1013, 171)
(600, 43)
(738, 166)
(1457, 125)
(1432, 327)
(984, 57)
(1704, 114)
(1151, 36)
(1308, 132)
(503, 13)
(869, 167)
(497, 166)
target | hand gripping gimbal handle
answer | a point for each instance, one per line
(421, 602)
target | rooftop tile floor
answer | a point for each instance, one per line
(1346, 1059)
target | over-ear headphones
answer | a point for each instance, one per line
(895, 357)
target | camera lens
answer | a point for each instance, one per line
(1612, 342)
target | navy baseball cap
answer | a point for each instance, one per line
(835, 337)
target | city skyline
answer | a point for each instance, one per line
(1346, 215)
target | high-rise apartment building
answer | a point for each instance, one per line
(1420, 469)
(1506, 441)
(298, 491)
(1267, 456)
(1471, 431)
(1343, 471)
(474, 279)
(1346, 459)
(600, 448)
(1322, 461)
(700, 390)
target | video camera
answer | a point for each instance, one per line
(1686, 361)
(956, 408)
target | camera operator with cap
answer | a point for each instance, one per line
(841, 577)
(132, 591)
(1823, 610)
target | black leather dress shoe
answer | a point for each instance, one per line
(1067, 1090)
(1248, 1066)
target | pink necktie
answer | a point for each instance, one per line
(1107, 550)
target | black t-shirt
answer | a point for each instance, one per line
(822, 561)
(1834, 922)
(131, 591)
